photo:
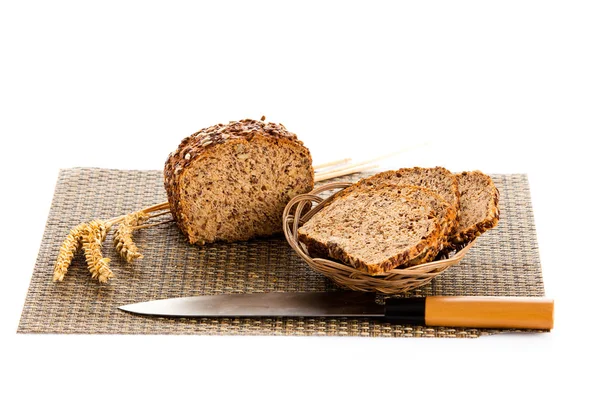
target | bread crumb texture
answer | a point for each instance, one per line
(373, 230)
(231, 182)
(402, 218)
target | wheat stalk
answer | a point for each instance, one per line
(332, 163)
(67, 251)
(101, 270)
(92, 238)
(91, 235)
(123, 239)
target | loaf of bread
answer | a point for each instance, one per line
(479, 210)
(372, 229)
(231, 182)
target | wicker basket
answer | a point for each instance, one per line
(301, 208)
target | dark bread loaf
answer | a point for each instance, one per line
(479, 210)
(372, 229)
(231, 182)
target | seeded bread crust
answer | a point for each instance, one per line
(324, 249)
(207, 142)
(485, 187)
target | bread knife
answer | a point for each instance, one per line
(451, 311)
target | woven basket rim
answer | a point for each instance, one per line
(397, 280)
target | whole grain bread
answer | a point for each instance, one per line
(231, 182)
(479, 209)
(437, 179)
(372, 229)
(446, 216)
(444, 212)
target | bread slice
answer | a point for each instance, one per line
(443, 211)
(438, 179)
(231, 182)
(478, 206)
(372, 229)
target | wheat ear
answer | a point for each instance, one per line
(92, 239)
(67, 251)
(123, 238)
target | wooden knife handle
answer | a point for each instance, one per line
(473, 311)
(490, 312)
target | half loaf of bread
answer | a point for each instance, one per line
(372, 229)
(231, 182)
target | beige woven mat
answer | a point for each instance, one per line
(503, 262)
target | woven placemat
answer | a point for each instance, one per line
(504, 261)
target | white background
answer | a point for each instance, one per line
(509, 86)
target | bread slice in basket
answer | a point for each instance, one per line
(444, 212)
(446, 216)
(479, 209)
(438, 179)
(372, 229)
